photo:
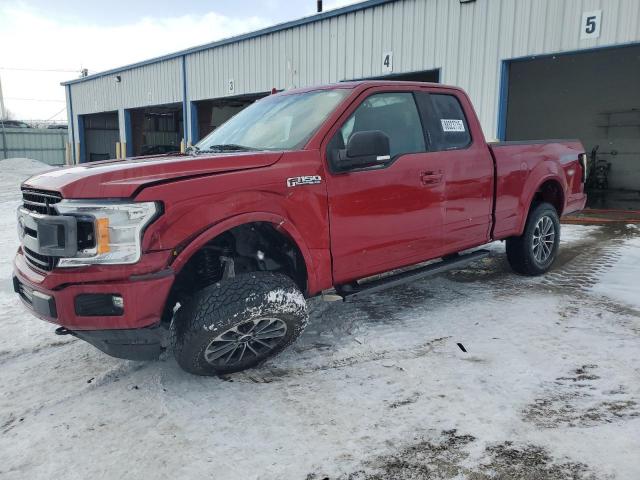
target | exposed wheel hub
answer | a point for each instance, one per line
(250, 339)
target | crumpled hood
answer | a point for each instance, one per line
(123, 178)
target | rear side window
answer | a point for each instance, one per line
(445, 123)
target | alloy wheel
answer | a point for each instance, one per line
(544, 237)
(250, 339)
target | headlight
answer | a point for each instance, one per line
(116, 237)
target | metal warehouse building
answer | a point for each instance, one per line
(534, 69)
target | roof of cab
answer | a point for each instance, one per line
(363, 84)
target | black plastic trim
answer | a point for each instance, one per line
(97, 305)
(401, 277)
(39, 302)
(132, 344)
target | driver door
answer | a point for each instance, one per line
(389, 215)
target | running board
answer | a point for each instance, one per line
(449, 263)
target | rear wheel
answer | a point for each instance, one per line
(535, 250)
(238, 323)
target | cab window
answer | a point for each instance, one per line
(446, 126)
(394, 114)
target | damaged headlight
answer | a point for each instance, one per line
(116, 236)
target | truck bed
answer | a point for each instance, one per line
(521, 167)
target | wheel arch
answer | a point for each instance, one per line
(278, 223)
(548, 189)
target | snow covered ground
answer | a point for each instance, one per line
(548, 388)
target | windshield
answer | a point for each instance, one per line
(277, 122)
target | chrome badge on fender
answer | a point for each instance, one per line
(306, 180)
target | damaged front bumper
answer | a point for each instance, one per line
(127, 325)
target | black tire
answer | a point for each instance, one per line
(521, 252)
(226, 314)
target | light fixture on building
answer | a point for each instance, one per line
(118, 78)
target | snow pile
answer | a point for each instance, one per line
(13, 171)
(24, 166)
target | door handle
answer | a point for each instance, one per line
(431, 178)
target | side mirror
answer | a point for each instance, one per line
(365, 149)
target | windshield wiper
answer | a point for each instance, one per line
(228, 147)
(192, 149)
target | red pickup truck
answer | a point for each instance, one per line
(334, 190)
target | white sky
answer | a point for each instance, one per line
(36, 35)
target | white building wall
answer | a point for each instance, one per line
(466, 41)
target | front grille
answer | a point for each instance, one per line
(41, 262)
(40, 201)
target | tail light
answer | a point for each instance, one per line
(584, 163)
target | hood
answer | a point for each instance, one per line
(123, 178)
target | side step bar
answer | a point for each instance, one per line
(448, 263)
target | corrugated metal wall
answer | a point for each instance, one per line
(466, 41)
(45, 145)
(154, 84)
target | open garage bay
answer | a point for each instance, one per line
(593, 96)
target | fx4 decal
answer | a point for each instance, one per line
(306, 180)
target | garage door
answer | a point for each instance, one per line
(593, 96)
(101, 133)
(156, 130)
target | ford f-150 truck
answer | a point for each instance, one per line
(338, 190)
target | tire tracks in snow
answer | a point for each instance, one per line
(275, 374)
(8, 355)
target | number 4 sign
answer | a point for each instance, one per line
(590, 27)
(387, 62)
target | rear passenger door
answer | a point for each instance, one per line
(457, 146)
(388, 215)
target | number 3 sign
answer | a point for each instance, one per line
(590, 27)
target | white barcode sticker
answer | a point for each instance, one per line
(452, 125)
